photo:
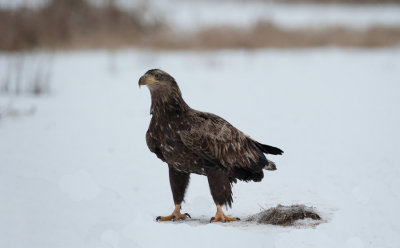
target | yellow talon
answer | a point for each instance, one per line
(176, 215)
(220, 216)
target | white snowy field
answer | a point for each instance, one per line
(75, 170)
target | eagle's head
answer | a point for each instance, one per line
(157, 79)
(164, 90)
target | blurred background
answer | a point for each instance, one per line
(318, 78)
(195, 24)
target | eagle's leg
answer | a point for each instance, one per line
(179, 182)
(220, 187)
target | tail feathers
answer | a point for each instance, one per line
(270, 166)
(269, 149)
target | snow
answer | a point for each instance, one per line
(76, 172)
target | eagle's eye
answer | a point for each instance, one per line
(157, 76)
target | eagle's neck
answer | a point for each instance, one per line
(167, 101)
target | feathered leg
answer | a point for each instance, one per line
(220, 187)
(179, 182)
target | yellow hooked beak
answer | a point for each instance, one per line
(146, 80)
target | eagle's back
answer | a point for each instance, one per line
(221, 144)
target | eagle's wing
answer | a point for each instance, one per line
(153, 145)
(218, 141)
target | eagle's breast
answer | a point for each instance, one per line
(166, 131)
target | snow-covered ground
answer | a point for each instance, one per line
(76, 172)
(189, 16)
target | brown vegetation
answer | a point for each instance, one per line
(66, 23)
(69, 24)
(26, 74)
(284, 215)
(269, 35)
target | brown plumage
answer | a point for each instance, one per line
(190, 141)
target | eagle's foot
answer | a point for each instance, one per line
(220, 216)
(223, 218)
(176, 215)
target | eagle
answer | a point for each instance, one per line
(191, 141)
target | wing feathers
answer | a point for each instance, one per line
(216, 139)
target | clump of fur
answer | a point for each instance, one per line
(284, 215)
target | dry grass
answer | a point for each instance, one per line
(268, 35)
(26, 74)
(284, 215)
(67, 23)
(72, 24)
